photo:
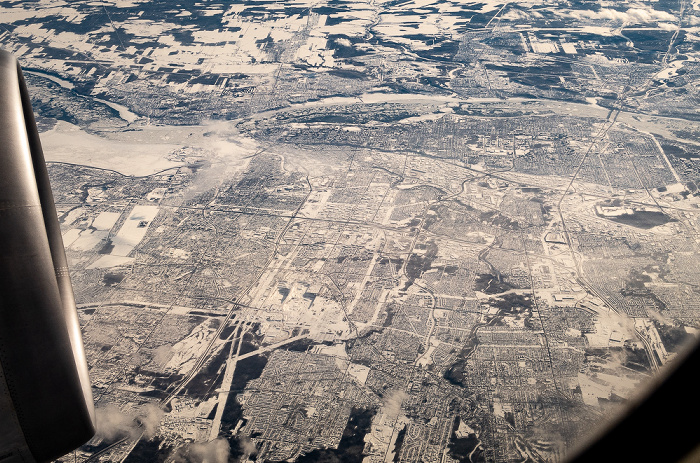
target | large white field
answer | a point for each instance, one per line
(133, 230)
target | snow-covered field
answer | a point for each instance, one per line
(133, 230)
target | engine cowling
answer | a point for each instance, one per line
(46, 406)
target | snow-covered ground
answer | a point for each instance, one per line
(133, 230)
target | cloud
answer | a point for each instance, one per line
(247, 446)
(114, 424)
(656, 315)
(517, 14)
(216, 451)
(391, 404)
(668, 26)
(227, 152)
(344, 42)
(630, 16)
(150, 416)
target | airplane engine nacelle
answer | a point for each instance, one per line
(46, 407)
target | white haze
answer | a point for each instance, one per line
(216, 451)
(113, 424)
